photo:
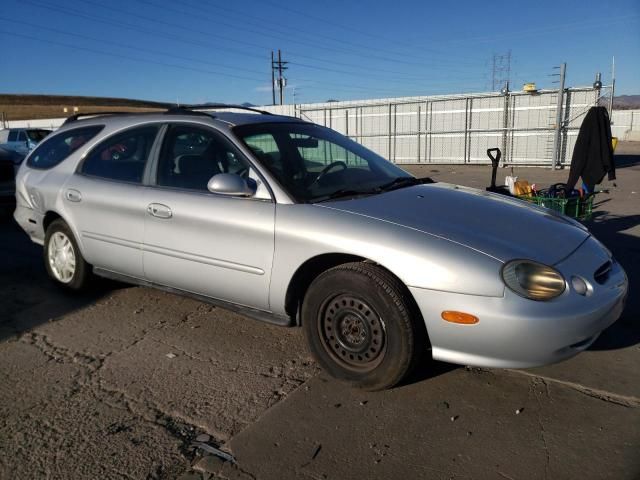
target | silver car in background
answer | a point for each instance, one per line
(22, 140)
(292, 223)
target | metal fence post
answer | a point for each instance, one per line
(428, 121)
(505, 126)
(346, 122)
(419, 120)
(389, 147)
(466, 129)
(558, 133)
(395, 131)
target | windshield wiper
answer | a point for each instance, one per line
(400, 182)
(345, 192)
(394, 184)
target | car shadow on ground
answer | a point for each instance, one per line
(612, 230)
(428, 369)
(624, 160)
(28, 298)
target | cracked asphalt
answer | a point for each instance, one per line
(118, 383)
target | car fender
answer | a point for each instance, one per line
(305, 231)
(42, 192)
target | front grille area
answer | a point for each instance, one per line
(601, 275)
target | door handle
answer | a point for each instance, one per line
(73, 195)
(159, 210)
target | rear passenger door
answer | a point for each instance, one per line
(105, 199)
(200, 242)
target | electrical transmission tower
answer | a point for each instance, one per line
(501, 70)
(278, 66)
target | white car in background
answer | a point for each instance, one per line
(22, 140)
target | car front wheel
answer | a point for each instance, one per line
(62, 257)
(362, 326)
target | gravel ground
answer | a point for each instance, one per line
(119, 382)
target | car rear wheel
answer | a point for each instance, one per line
(362, 326)
(62, 258)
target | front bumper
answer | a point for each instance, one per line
(514, 332)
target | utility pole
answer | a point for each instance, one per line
(558, 133)
(278, 65)
(273, 82)
(613, 85)
(500, 70)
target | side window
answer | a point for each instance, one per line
(123, 156)
(265, 147)
(13, 136)
(22, 137)
(59, 146)
(190, 156)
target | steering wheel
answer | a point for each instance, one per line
(328, 168)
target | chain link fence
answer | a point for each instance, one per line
(459, 129)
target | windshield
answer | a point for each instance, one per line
(37, 135)
(314, 163)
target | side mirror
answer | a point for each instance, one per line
(232, 185)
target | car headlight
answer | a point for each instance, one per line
(533, 280)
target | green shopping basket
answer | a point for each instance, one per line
(579, 208)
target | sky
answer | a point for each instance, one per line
(196, 51)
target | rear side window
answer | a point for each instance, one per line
(13, 136)
(53, 151)
(121, 157)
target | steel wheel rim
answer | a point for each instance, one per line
(352, 332)
(61, 257)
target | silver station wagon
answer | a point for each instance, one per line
(292, 223)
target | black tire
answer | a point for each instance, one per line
(362, 326)
(82, 270)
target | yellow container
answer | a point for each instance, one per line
(614, 143)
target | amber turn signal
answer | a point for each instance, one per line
(459, 317)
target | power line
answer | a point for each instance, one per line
(351, 28)
(359, 74)
(459, 37)
(521, 33)
(277, 37)
(130, 47)
(138, 29)
(342, 87)
(288, 28)
(127, 57)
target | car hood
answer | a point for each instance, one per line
(496, 225)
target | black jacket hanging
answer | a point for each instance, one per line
(593, 154)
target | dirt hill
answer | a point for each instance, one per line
(25, 107)
(626, 102)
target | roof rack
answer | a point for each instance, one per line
(212, 106)
(76, 116)
(182, 109)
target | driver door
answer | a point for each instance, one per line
(200, 242)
